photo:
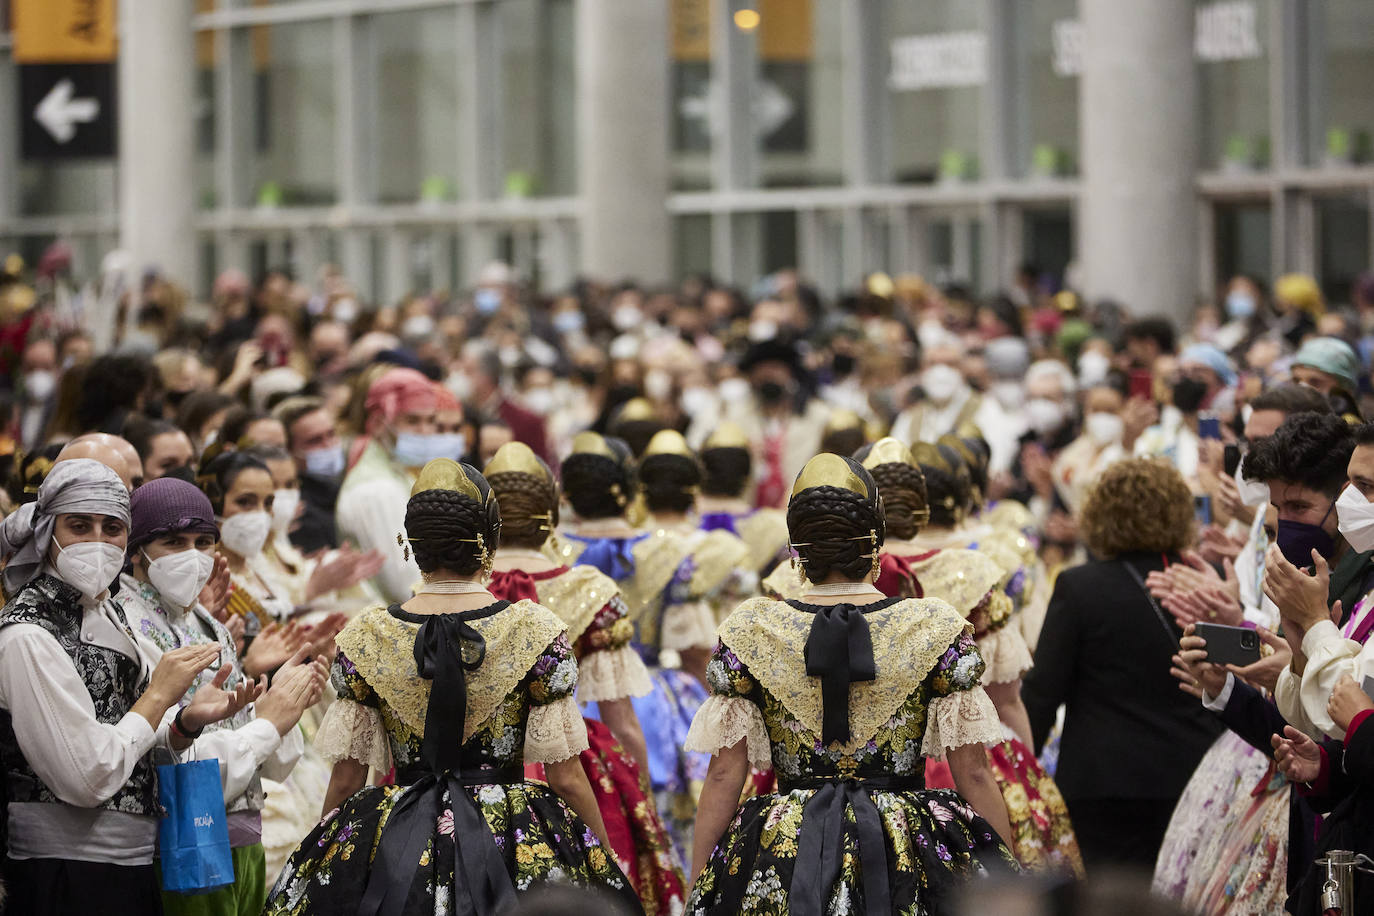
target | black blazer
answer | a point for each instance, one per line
(1129, 732)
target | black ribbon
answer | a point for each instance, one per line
(839, 651)
(820, 841)
(482, 885)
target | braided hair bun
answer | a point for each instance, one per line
(726, 470)
(529, 507)
(947, 493)
(905, 504)
(598, 486)
(669, 482)
(835, 529)
(443, 526)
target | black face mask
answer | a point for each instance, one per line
(771, 393)
(587, 376)
(1188, 394)
(843, 363)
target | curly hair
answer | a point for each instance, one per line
(726, 470)
(669, 482)
(529, 507)
(905, 503)
(596, 486)
(1139, 505)
(1309, 449)
(831, 528)
(442, 524)
(216, 477)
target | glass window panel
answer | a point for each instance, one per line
(205, 112)
(1344, 244)
(798, 99)
(1345, 137)
(1047, 241)
(1243, 239)
(538, 130)
(779, 240)
(416, 104)
(692, 244)
(293, 161)
(689, 45)
(1051, 89)
(1233, 73)
(934, 88)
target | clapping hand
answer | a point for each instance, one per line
(1300, 598)
(1347, 701)
(215, 595)
(273, 647)
(298, 686)
(1298, 756)
(212, 703)
(345, 569)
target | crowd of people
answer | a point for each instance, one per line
(694, 600)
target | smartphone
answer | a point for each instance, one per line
(1230, 459)
(1202, 508)
(1368, 686)
(1208, 428)
(1142, 384)
(1229, 645)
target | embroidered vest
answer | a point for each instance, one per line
(113, 680)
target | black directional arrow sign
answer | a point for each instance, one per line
(68, 110)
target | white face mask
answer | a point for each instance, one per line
(1011, 395)
(89, 566)
(459, 384)
(658, 385)
(1355, 518)
(1104, 428)
(697, 400)
(941, 383)
(626, 317)
(284, 505)
(245, 533)
(540, 400)
(179, 577)
(39, 384)
(1093, 368)
(1253, 493)
(1045, 416)
(734, 389)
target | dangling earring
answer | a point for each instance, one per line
(488, 558)
(405, 547)
(873, 538)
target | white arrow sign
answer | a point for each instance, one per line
(59, 113)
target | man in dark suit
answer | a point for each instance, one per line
(482, 367)
(313, 441)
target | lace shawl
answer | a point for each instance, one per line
(1006, 654)
(379, 646)
(577, 596)
(657, 558)
(612, 674)
(764, 531)
(909, 637)
(719, 554)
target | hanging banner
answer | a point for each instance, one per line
(937, 61)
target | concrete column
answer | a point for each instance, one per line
(1138, 124)
(622, 87)
(157, 192)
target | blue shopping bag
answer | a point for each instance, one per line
(193, 837)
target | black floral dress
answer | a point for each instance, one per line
(533, 834)
(927, 841)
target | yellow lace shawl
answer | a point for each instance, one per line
(909, 637)
(577, 596)
(380, 647)
(718, 555)
(765, 533)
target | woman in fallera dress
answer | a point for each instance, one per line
(727, 463)
(458, 690)
(845, 692)
(609, 671)
(597, 482)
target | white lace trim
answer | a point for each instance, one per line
(612, 674)
(690, 625)
(723, 721)
(555, 732)
(1006, 655)
(353, 731)
(963, 717)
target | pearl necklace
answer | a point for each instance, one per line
(844, 588)
(452, 587)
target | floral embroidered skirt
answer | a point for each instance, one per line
(539, 838)
(934, 842)
(641, 844)
(1226, 849)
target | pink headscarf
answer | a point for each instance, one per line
(395, 392)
